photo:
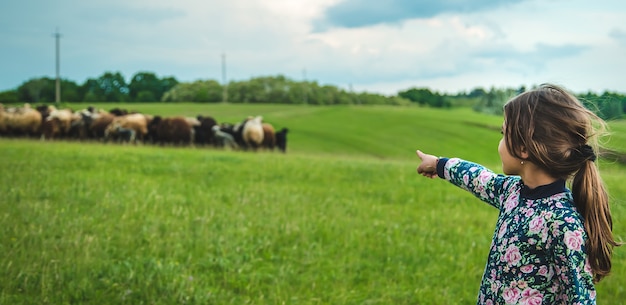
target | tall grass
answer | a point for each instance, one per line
(330, 222)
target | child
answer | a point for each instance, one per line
(550, 244)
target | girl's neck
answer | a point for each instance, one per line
(534, 176)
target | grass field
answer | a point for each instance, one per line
(342, 218)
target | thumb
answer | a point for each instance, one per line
(420, 154)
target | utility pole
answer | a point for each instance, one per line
(57, 97)
(356, 96)
(305, 87)
(224, 84)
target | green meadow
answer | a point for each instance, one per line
(341, 218)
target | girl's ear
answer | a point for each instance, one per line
(524, 152)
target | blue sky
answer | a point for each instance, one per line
(379, 46)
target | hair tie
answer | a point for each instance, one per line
(587, 152)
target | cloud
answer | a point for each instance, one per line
(360, 13)
(619, 35)
(538, 57)
(427, 51)
(400, 44)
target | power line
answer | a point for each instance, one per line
(224, 84)
(305, 87)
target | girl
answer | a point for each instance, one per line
(550, 244)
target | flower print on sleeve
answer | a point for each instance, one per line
(480, 181)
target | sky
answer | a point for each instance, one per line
(378, 46)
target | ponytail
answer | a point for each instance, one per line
(592, 202)
(561, 136)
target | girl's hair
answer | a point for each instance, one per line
(560, 136)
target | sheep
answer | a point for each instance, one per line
(269, 138)
(225, 136)
(136, 121)
(281, 139)
(21, 121)
(175, 130)
(253, 132)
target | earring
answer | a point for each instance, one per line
(521, 162)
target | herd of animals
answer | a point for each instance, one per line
(46, 122)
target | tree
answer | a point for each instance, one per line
(167, 83)
(145, 96)
(209, 91)
(43, 90)
(149, 86)
(477, 92)
(424, 96)
(70, 91)
(9, 97)
(610, 106)
(109, 87)
(36, 90)
(113, 86)
(90, 91)
(144, 82)
(607, 106)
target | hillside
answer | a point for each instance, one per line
(342, 218)
(385, 132)
(366, 131)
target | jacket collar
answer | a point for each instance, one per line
(543, 191)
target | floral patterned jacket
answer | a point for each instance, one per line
(537, 253)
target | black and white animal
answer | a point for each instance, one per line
(118, 133)
(224, 137)
(125, 134)
(204, 131)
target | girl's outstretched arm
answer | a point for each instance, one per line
(473, 177)
(428, 167)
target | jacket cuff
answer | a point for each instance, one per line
(441, 163)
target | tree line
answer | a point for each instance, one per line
(148, 87)
(608, 105)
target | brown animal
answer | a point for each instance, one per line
(45, 111)
(3, 124)
(136, 121)
(50, 129)
(99, 124)
(65, 118)
(173, 130)
(81, 123)
(22, 121)
(269, 138)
